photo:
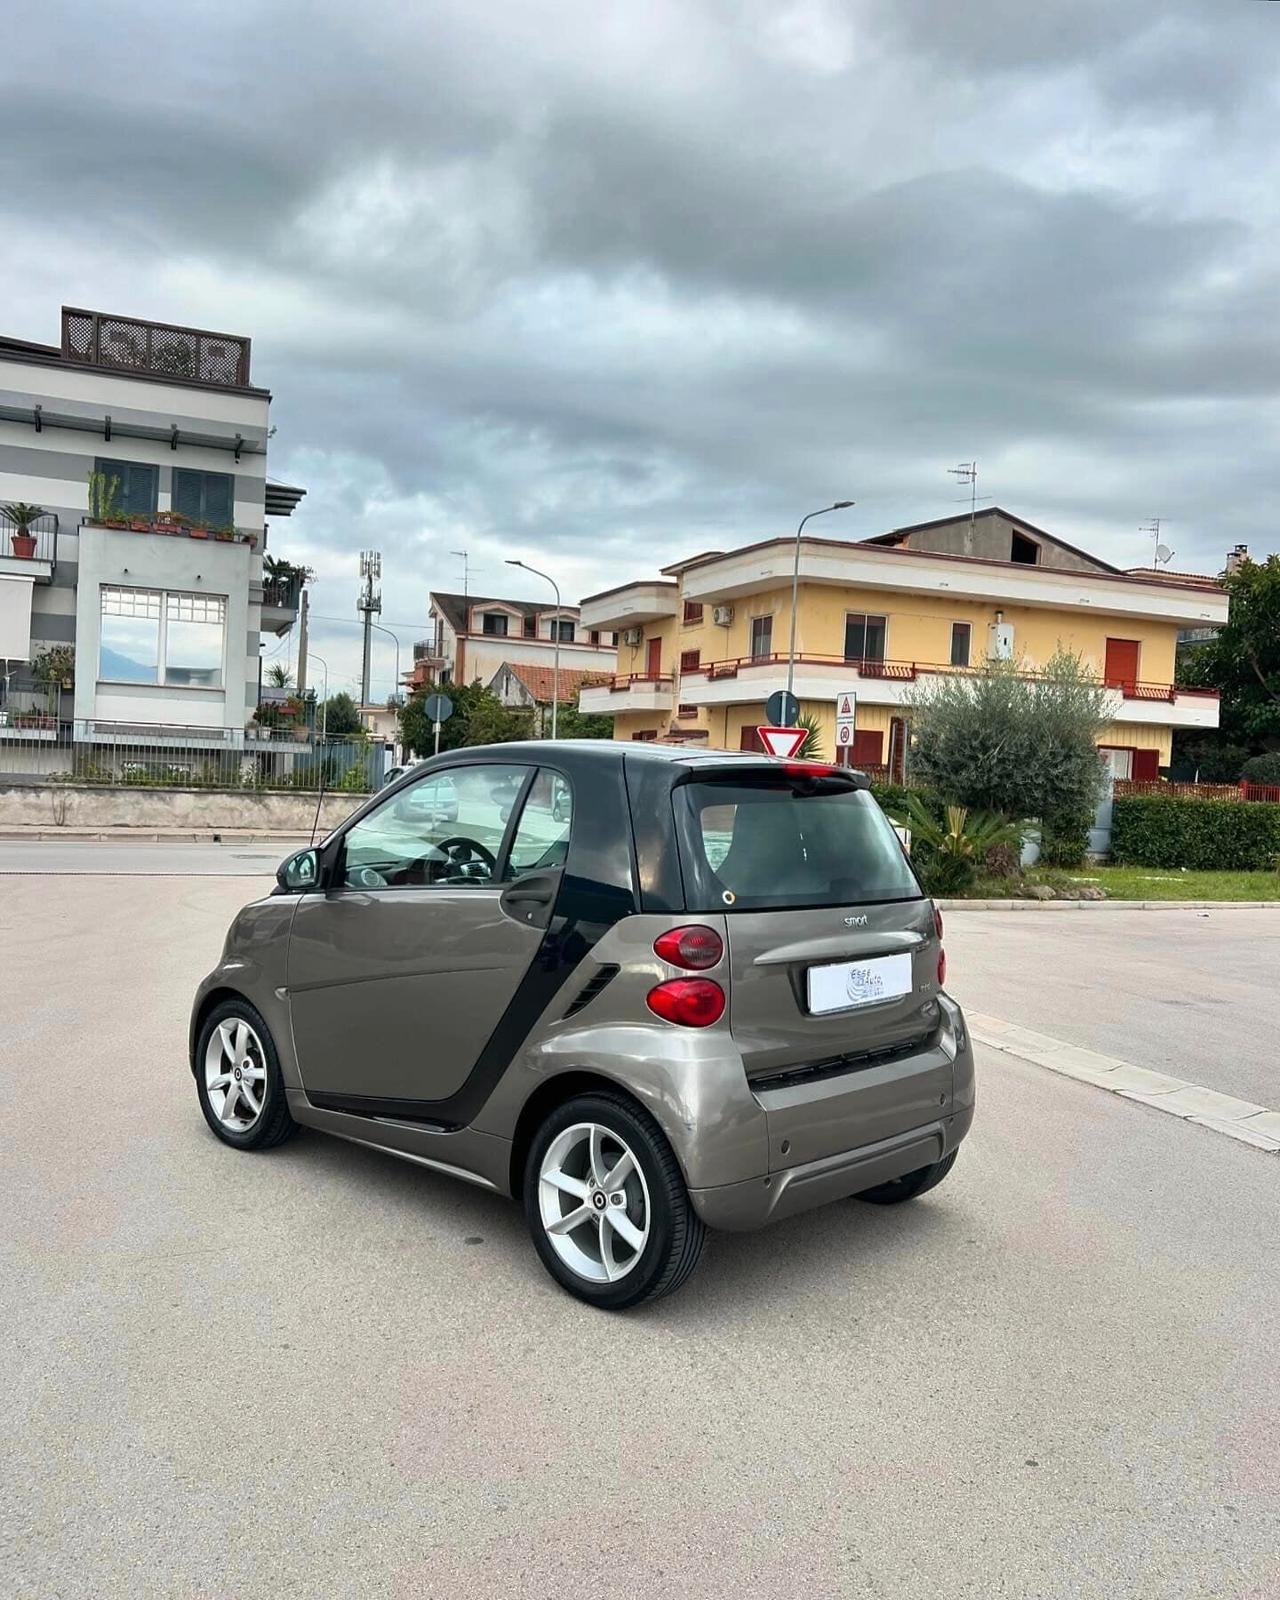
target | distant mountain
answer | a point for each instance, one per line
(111, 664)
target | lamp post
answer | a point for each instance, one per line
(555, 672)
(378, 628)
(840, 505)
(324, 704)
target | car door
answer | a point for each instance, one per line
(399, 972)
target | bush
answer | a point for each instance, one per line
(1064, 840)
(1202, 835)
(1262, 769)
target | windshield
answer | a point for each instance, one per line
(782, 842)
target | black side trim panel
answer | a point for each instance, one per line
(368, 1105)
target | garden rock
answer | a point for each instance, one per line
(1037, 891)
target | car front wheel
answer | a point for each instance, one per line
(238, 1078)
(607, 1204)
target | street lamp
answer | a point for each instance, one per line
(378, 628)
(840, 505)
(324, 704)
(555, 673)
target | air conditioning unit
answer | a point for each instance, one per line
(633, 637)
(1000, 641)
(723, 615)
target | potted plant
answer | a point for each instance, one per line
(197, 532)
(225, 534)
(22, 515)
(140, 524)
(57, 665)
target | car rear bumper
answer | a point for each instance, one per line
(740, 1207)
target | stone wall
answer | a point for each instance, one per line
(76, 806)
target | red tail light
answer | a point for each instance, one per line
(810, 769)
(942, 968)
(937, 922)
(692, 1002)
(695, 948)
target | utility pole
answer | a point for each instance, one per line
(302, 644)
(369, 605)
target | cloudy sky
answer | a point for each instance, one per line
(600, 284)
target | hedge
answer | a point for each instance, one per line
(1202, 835)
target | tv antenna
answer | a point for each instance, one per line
(368, 606)
(467, 570)
(1161, 552)
(967, 472)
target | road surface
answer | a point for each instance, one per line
(321, 1371)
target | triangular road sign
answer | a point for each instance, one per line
(846, 706)
(782, 741)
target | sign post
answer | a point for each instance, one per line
(846, 719)
(439, 708)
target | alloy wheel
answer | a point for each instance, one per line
(594, 1202)
(235, 1074)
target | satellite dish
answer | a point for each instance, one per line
(1163, 554)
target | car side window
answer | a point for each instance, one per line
(541, 841)
(444, 831)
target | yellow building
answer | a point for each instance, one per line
(701, 648)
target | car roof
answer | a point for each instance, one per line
(638, 750)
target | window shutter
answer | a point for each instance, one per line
(219, 501)
(186, 495)
(1146, 766)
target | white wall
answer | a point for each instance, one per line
(155, 561)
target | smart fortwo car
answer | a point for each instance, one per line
(647, 992)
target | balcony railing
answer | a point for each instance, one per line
(427, 650)
(283, 593)
(909, 671)
(38, 542)
(631, 680)
(164, 349)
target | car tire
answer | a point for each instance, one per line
(911, 1185)
(256, 1067)
(663, 1235)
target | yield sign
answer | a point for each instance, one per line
(782, 741)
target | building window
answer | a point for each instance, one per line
(1024, 551)
(761, 637)
(595, 636)
(646, 734)
(205, 497)
(494, 622)
(136, 488)
(150, 636)
(690, 660)
(686, 711)
(864, 637)
(961, 638)
(563, 628)
(693, 611)
(529, 628)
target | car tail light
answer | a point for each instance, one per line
(692, 1002)
(937, 922)
(810, 769)
(942, 968)
(695, 948)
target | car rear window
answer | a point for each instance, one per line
(778, 842)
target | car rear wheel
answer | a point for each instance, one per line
(238, 1079)
(607, 1205)
(910, 1184)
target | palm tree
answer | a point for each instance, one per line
(279, 676)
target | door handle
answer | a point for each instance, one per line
(530, 899)
(541, 893)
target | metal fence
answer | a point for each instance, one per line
(31, 751)
(1268, 793)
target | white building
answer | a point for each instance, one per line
(473, 637)
(145, 447)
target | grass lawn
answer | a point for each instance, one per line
(1166, 883)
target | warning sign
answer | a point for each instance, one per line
(847, 705)
(846, 714)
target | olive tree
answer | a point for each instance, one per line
(1011, 741)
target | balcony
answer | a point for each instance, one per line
(636, 691)
(750, 679)
(429, 652)
(160, 349)
(33, 554)
(630, 606)
(174, 526)
(281, 595)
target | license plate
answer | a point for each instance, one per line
(847, 984)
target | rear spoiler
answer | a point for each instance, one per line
(773, 766)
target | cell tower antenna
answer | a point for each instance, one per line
(369, 605)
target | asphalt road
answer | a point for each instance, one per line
(322, 1372)
(95, 858)
(1195, 994)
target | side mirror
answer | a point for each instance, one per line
(299, 871)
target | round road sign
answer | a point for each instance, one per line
(782, 709)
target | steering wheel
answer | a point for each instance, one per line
(467, 852)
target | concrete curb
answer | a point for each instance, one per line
(1108, 905)
(146, 836)
(1238, 1119)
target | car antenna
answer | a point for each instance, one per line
(315, 821)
